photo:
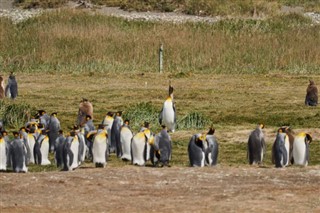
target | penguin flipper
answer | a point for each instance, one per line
(160, 117)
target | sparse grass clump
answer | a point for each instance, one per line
(28, 4)
(193, 120)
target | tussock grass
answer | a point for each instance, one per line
(77, 42)
(193, 120)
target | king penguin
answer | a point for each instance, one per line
(196, 150)
(3, 154)
(53, 127)
(140, 147)
(167, 115)
(256, 146)
(12, 87)
(41, 149)
(107, 122)
(31, 140)
(300, 150)
(115, 135)
(280, 149)
(125, 138)
(18, 154)
(60, 144)
(162, 148)
(71, 152)
(212, 151)
(100, 149)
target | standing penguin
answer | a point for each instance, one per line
(312, 94)
(12, 87)
(71, 152)
(100, 148)
(140, 147)
(301, 149)
(212, 151)
(31, 141)
(115, 135)
(18, 154)
(44, 118)
(167, 115)
(256, 146)
(2, 88)
(60, 144)
(3, 154)
(85, 108)
(53, 127)
(280, 150)
(125, 139)
(196, 150)
(107, 122)
(41, 149)
(163, 144)
(88, 126)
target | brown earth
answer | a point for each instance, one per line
(175, 189)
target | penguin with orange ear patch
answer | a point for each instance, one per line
(167, 115)
(256, 146)
(140, 147)
(280, 149)
(300, 150)
(212, 151)
(18, 154)
(100, 149)
(196, 150)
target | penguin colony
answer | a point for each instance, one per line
(42, 135)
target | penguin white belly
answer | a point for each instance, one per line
(74, 147)
(203, 159)
(125, 138)
(99, 149)
(299, 152)
(83, 154)
(287, 145)
(138, 147)
(44, 149)
(31, 143)
(210, 158)
(3, 155)
(168, 115)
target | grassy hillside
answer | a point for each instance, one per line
(74, 41)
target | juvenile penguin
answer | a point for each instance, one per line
(2, 88)
(167, 115)
(115, 135)
(140, 147)
(53, 127)
(256, 146)
(126, 136)
(18, 154)
(71, 152)
(12, 87)
(85, 108)
(212, 151)
(3, 154)
(301, 149)
(100, 148)
(41, 149)
(196, 150)
(60, 144)
(280, 149)
(312, 94)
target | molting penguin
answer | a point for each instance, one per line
(140, 147)
(115, 135)
(125, 139)
(53, 127)
(212, 151)
(280, 149)
(71, 152)
(12, 87)
(18, 154)
(256, 146)
(85, 108)
(196, 150)
(301, 149)
(312, 94)
(41, 149)
(162, 148)
(100, 149)
(3, 153)
(167, 115)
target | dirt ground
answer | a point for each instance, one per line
(175, 189)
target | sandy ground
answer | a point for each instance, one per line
(175, 189)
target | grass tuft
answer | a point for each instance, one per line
(193, 120)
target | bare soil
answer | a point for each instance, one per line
(175, 189)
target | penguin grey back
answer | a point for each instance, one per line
(212, 151)
(279, 150)
(18, 154)
(165, 147)
(12, 87)
(256, 146)
(196, 151)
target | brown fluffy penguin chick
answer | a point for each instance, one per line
(2, 88)
(312, 94)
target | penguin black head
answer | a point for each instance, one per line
(211, 131)
(308, 138)
(146, 124)
(111, 114)
(54, 114)
(60, 132)
(261, 126)
(15, 134)
(75, 127)
(44, 132)
(127, 122)
(88, 117)
(119, 113)
(4, 133)
(101, 126)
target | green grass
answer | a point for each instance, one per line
(74, 41)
